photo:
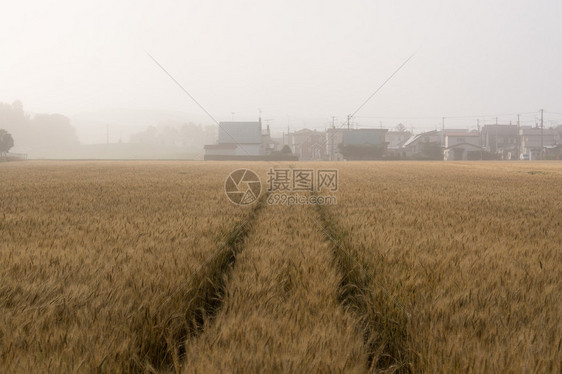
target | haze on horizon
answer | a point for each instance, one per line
(300, 62)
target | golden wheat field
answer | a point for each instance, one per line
(147, 267)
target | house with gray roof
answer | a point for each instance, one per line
(337, 137)
(240, 141)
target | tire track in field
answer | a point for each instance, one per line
(383, 318)
(165, 333)
(280, 310)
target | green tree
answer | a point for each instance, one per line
(285, 154)
(362, 151)
(6, 142)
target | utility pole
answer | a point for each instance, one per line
(442, 131)
(480, 135)
(496, 138)
(542, 135)
(333, 122)
(518, 136)
(348, 119)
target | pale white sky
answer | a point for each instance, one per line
(297, 60)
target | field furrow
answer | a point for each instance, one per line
(383, 319)
(281, 310)
(97, 257)
(471, 251)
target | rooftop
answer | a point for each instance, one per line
(240, 132)
(221, 146)
(463, 134)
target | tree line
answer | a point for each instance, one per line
(34, 132)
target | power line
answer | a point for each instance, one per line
(182, 88)
(350, 116)
(195, 101)
(381, 86)
(475, 116)
(491, 115)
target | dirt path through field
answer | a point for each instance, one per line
(280, 311)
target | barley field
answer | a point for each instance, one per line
(147, 267)
(465, 258)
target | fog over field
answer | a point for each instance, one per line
(299, 62)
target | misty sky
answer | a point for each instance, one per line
(299, 61)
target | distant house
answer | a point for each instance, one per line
(307, 144)
(364, 137)
(415, 144)
(337, 138)
(276, 144)
(334, 137)
(396, 139)
(531, 140)
(462, 146)
(553, 152)
(239, 141)
(501, 140)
